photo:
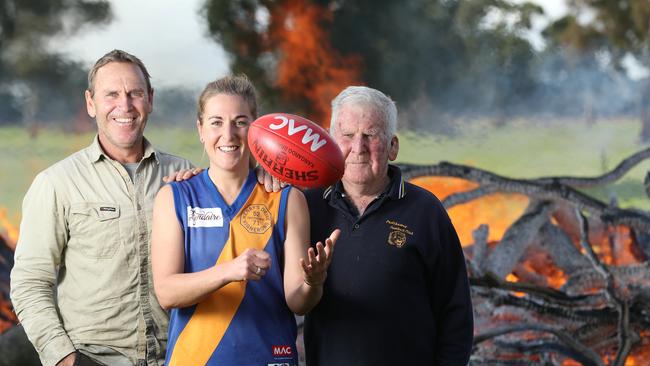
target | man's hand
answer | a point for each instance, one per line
(182, 175)
(315, 267)
(68, 360)
(271, 183)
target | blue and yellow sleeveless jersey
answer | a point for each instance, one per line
(242, 323)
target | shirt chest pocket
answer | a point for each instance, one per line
(94, 229)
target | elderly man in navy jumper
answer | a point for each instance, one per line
(397, 291)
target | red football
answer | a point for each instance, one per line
(295, 150)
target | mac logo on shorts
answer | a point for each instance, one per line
(204, 217)
(282, 351)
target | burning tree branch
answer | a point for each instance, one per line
(625, 334)
(491, 281)
(580, 351)
(464, 197)
(599, 313)
(533, 188)
(411, 171)
(610, 177)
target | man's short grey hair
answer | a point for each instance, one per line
(364, 96)
(117, 56)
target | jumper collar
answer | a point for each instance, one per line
(395, 190)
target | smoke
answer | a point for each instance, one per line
(549, 84)
(9, 109)
(175, 106)
(443, 64)
(44, 89)
(53, 96)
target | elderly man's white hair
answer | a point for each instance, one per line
(364, 96)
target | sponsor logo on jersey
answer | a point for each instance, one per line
(282, 351)
(256, 219)
(204, 217)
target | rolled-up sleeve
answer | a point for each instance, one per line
(38, 257)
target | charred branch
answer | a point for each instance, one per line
(561, 249)
(411, 171)
(538, 347)
(643, 240)
(579, 314)
(479, 249)
(574, 347)
(625, 335)
(602, 305)
(551, 190)
(491, 281)
(610, 177)
(467, 196)
(485, 361)
(505, 256)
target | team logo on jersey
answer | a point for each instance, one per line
(204, 217)
(256, 219)
(398, 234)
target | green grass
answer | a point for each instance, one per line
(528, 150)
(520, 149)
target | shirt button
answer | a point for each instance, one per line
(356, 226)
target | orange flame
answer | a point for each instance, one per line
(310, 68)
(497, 210)
(641, 354)
(617, 247)
(571, 362)
(614, 245)
(513, 278)
(7, 313)
(8, 231)
(539, 262)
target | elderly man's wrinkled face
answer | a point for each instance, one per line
(361, 135)
(121, 104)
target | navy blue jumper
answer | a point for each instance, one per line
(397, 291)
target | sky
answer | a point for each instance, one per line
(170, 37)
(553, 9)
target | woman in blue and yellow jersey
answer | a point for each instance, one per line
(231, 260)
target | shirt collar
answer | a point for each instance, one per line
(96, 151)
(395, 190)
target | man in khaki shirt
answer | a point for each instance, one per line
(81, 283)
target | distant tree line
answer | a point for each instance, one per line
(442, 59)
(37, 84)
(439, 59)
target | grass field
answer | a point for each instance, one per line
(519, 149)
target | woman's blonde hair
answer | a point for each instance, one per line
(238, 85)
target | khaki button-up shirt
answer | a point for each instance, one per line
(82, 278)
